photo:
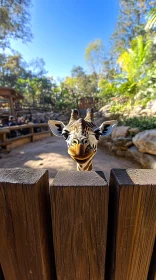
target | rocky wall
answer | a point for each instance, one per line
(129, 142)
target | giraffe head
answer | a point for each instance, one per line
(82, 136)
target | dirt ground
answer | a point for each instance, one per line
(51, 153)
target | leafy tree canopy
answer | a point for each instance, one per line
(14, 21)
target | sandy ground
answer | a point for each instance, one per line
(51, 154)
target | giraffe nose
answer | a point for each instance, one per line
(75, 141)
(85, 141)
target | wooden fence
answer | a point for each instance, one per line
(81, 228)
(24, 134)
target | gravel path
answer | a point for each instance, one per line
(51, 154)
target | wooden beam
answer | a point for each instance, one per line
(79, 202)
(25, 246)
(132, 223)
(11, 103)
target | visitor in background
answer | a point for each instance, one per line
(1, 123)
(22, 121)
(12, 122)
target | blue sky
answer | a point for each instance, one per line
(63, 28)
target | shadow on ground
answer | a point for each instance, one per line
(51, 154)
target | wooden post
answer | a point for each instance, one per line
(32, 132)
(25, 248)
(11, 105)
(132, 224)
(79, 202)
(4, 137)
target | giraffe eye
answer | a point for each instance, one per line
(65, 134)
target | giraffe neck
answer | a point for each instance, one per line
(87, 166)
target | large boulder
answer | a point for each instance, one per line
(106, 113)
(146, 160)
(105, 109)
(145, 141)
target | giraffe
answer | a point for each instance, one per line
(82, 136)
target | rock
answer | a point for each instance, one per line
(105, 108)
(120, 153)
(145, 112)
(105, 111)
(134, 130)
(146, 160)
(104, 140)
(138, 109)
(99, 121)
(151, 105)
(120, 131)
(123, 141)
(97, 114)
(145, 141)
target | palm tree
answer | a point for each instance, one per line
(133, 61)
(151, 23)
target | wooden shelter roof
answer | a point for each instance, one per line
(7, 92)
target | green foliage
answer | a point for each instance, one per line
(130, 23)
(124, 78)
(133, 60)
(141, 122)
(94, 55)
(116, 108)
(151, 23)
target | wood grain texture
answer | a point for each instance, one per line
(79, 202)
(25, 225)
(132, 222)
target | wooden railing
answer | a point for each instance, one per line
(94, 230)
(13, 136)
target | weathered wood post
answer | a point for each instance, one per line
(32, 132)
(3, 133)
(79, 202)
(25, 225)
(132, 224)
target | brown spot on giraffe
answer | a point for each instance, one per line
(82, 136)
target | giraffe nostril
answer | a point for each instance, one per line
(75, 141)
(85, 141)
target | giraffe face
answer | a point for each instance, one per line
(81, 136)
(81, 141)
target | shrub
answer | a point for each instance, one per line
(141, 122)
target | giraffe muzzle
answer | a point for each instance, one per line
(80, 152)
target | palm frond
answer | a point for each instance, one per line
(151, 23)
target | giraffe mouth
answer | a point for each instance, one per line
(82, 159)
(81, 153)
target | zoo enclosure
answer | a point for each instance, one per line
(79, 229)
(32, 132)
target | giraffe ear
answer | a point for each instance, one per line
(56, 127)
(107, 127)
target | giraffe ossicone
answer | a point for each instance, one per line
(82, 136)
